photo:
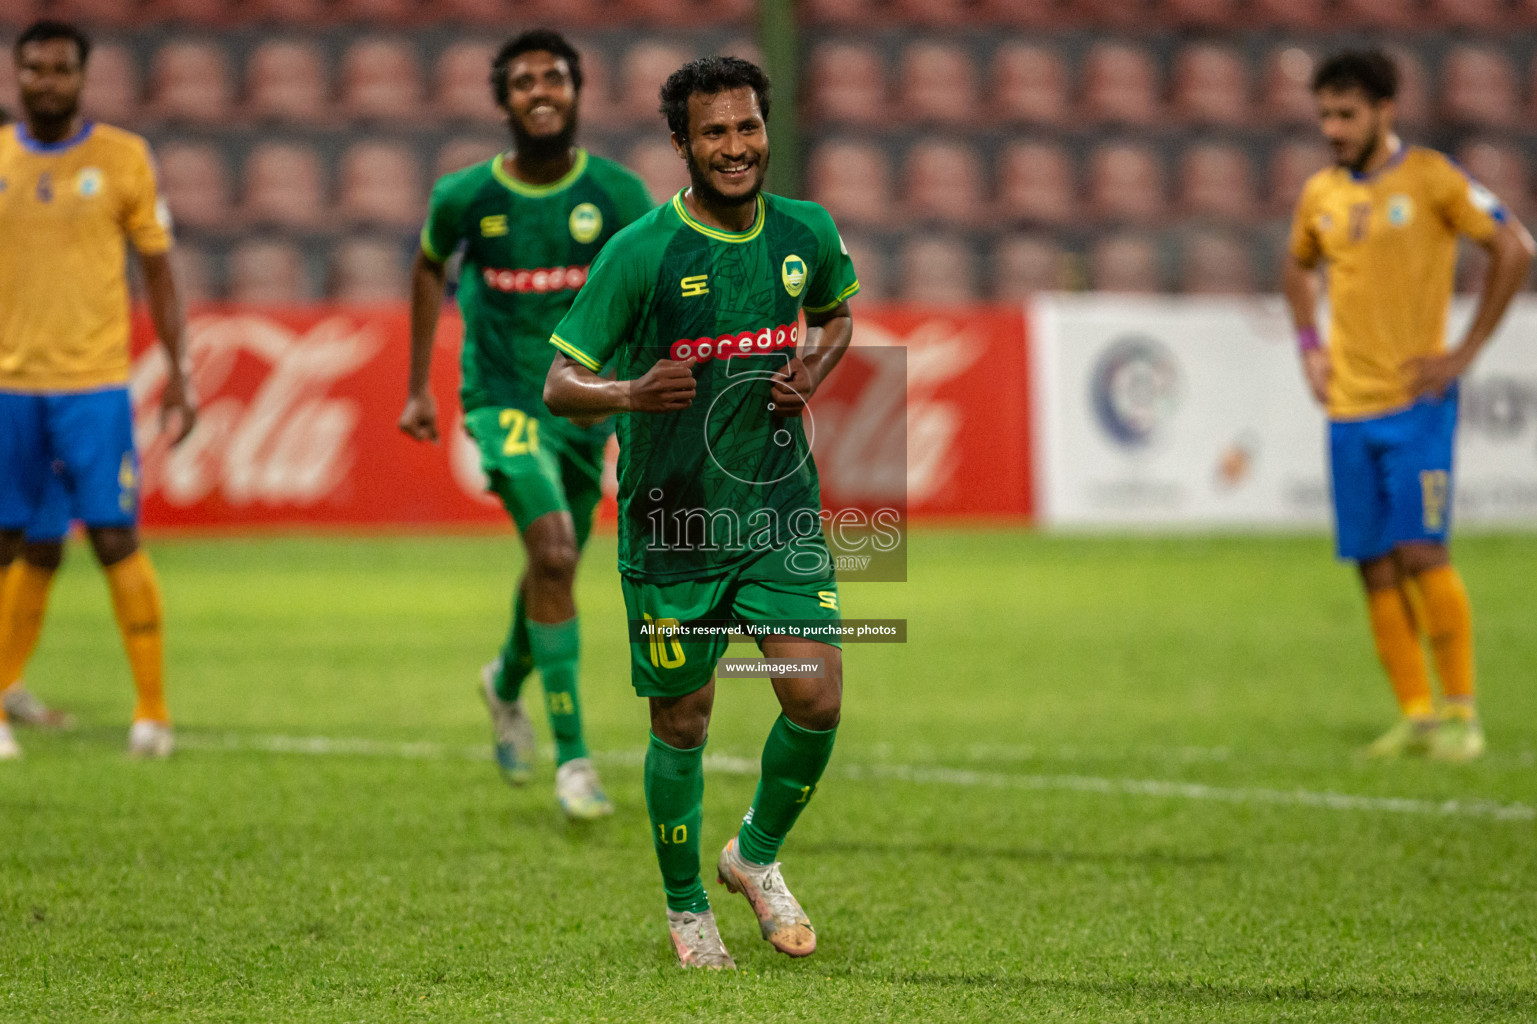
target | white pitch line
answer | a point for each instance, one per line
(914, 774)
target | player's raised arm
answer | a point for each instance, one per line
(1510, 250)
(178, 412)
(573, 389)
(828, 334)
(420, 416)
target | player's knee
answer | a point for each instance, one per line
(552, 564)
(1379, 573)
(112, 544)
(43, 554)
(820, 709)
(683, 726)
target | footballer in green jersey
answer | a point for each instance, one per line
(697, 306)
(530, 222)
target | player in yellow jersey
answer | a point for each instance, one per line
(1384, 221)
(71, 194)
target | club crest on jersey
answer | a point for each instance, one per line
(88, 182)
(793, 273)
(1400, 210)
(586, 223)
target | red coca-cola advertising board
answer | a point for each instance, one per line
(297, 419)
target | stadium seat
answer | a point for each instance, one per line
(381, 79)
(1035, 184)
(1479, 87)
(1125, 263)
(190, 81)
(16, 15)
(852, 180)
(1031, 14)
(462, 91)
(8, 98)
(368, 271)
(286, 81)
(94, 13)
(463, 152)
(1501, 169)
(839, 12)
(380, 183)
(288, 14)
(1207, 14)
(846, 83)
(1115, 14)
(284, 186)
(1121, 85)
(1126, 183)
(938, 270)
(869, 258)
(1029, 84)
(643, 69)
(200, 13)
(474, 12)
(391, 13)
(192, 270)
(1291, 165)
(267, 272)
(1478, 14)
(111, 85)
(1413, 103)
(1286, 90)
(1216, 264)
(1382, 14)
(1312, 15)
(742, 47)
(1217, 181)
(933, 13)
(659, 166)
(1024, 265)
(935, 83)
(943, 181)
(1472, 268)
(195, 183)
(1211, 85)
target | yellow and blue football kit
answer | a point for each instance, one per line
(66, 209)
(1389, 242)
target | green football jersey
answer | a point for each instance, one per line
(527, 251)
(711, 486)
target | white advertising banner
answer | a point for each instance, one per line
(1191, 412)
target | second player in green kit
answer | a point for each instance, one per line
(529, 222)
(698, 307)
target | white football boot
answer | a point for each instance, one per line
(512, 735)
(780, 916)
(697, 940)
(148, 738)
(579, 792)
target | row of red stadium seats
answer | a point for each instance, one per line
(936, 80)
(946, 181)
(376, 182)
(1317, 15)
(316, 13)
(192, 80)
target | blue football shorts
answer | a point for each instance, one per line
(1392, 477)
(66, 456)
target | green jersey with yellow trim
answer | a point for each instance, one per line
(526, 253)
(711, 486)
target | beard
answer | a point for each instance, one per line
(51, 116)
(543, 147)
(699, 181)
(1374, 140)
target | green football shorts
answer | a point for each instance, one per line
(536, 467)
(762, 592)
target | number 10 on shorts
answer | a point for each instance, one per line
(666, 652)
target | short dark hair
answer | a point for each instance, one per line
(710, 76)
(1371, 71)
(534, 39)
(46, 30)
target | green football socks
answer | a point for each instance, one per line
(555, 648)
(517, 659)
(793, 761)
(675, 801)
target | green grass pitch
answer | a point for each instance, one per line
(1106, 780)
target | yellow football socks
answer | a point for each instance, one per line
(22, 604)
(1448, 619)
(1398, 646)
(136, 602)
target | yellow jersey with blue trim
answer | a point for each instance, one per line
(66, 211)
(1389, 242)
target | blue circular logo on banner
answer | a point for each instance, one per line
(1135, 390)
